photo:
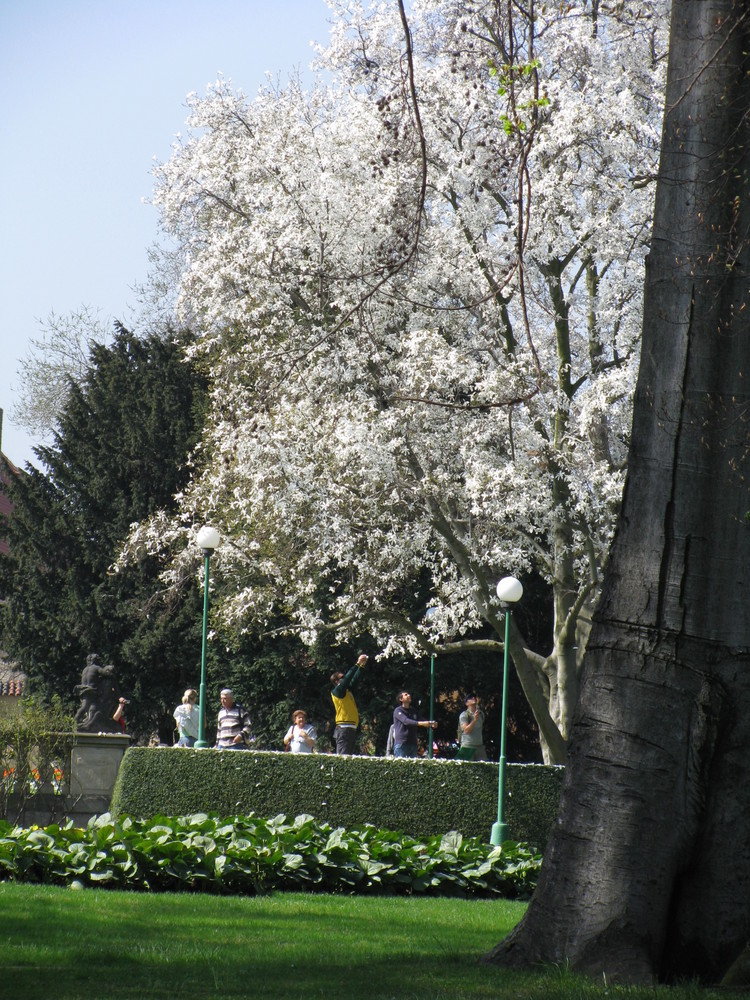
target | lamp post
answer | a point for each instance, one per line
(429, 614)
(208, 540)
(509, 591)
(432, 703)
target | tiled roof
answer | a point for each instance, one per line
(12, 680)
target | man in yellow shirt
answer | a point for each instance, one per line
(347, 716)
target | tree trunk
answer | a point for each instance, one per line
(647, 873)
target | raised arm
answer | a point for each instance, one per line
(349, 679)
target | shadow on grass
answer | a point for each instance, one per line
(95, 944)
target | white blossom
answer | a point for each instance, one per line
(408, 379)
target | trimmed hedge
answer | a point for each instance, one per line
(421, 798)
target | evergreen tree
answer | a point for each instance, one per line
(118, 454)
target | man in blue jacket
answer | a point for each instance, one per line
(406, 727)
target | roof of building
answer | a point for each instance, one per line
(12, 678)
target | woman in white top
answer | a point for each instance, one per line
(300, 737)
(187, 716)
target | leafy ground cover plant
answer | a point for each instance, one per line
(250, 855)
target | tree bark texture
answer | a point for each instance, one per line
(647, 873)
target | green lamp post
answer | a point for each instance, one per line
(432, 703)
(429, 615)
(509, 591)
(208, 540)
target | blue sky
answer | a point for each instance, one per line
(91, 92)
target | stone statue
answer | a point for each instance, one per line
(99, 698)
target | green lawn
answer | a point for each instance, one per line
(60, 944)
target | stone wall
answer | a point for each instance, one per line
(90, 779)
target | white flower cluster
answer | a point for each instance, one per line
(417, 290)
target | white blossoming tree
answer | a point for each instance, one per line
(419, 291)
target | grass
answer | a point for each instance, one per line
(65, 944)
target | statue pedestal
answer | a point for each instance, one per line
(94, 762)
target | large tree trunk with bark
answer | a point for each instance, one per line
(647, 873)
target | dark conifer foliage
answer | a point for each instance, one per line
(118, 455)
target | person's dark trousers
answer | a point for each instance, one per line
(346, 739)
(405, 750)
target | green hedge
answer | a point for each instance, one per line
(417, 797)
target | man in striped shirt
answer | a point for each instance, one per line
(234, 729)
